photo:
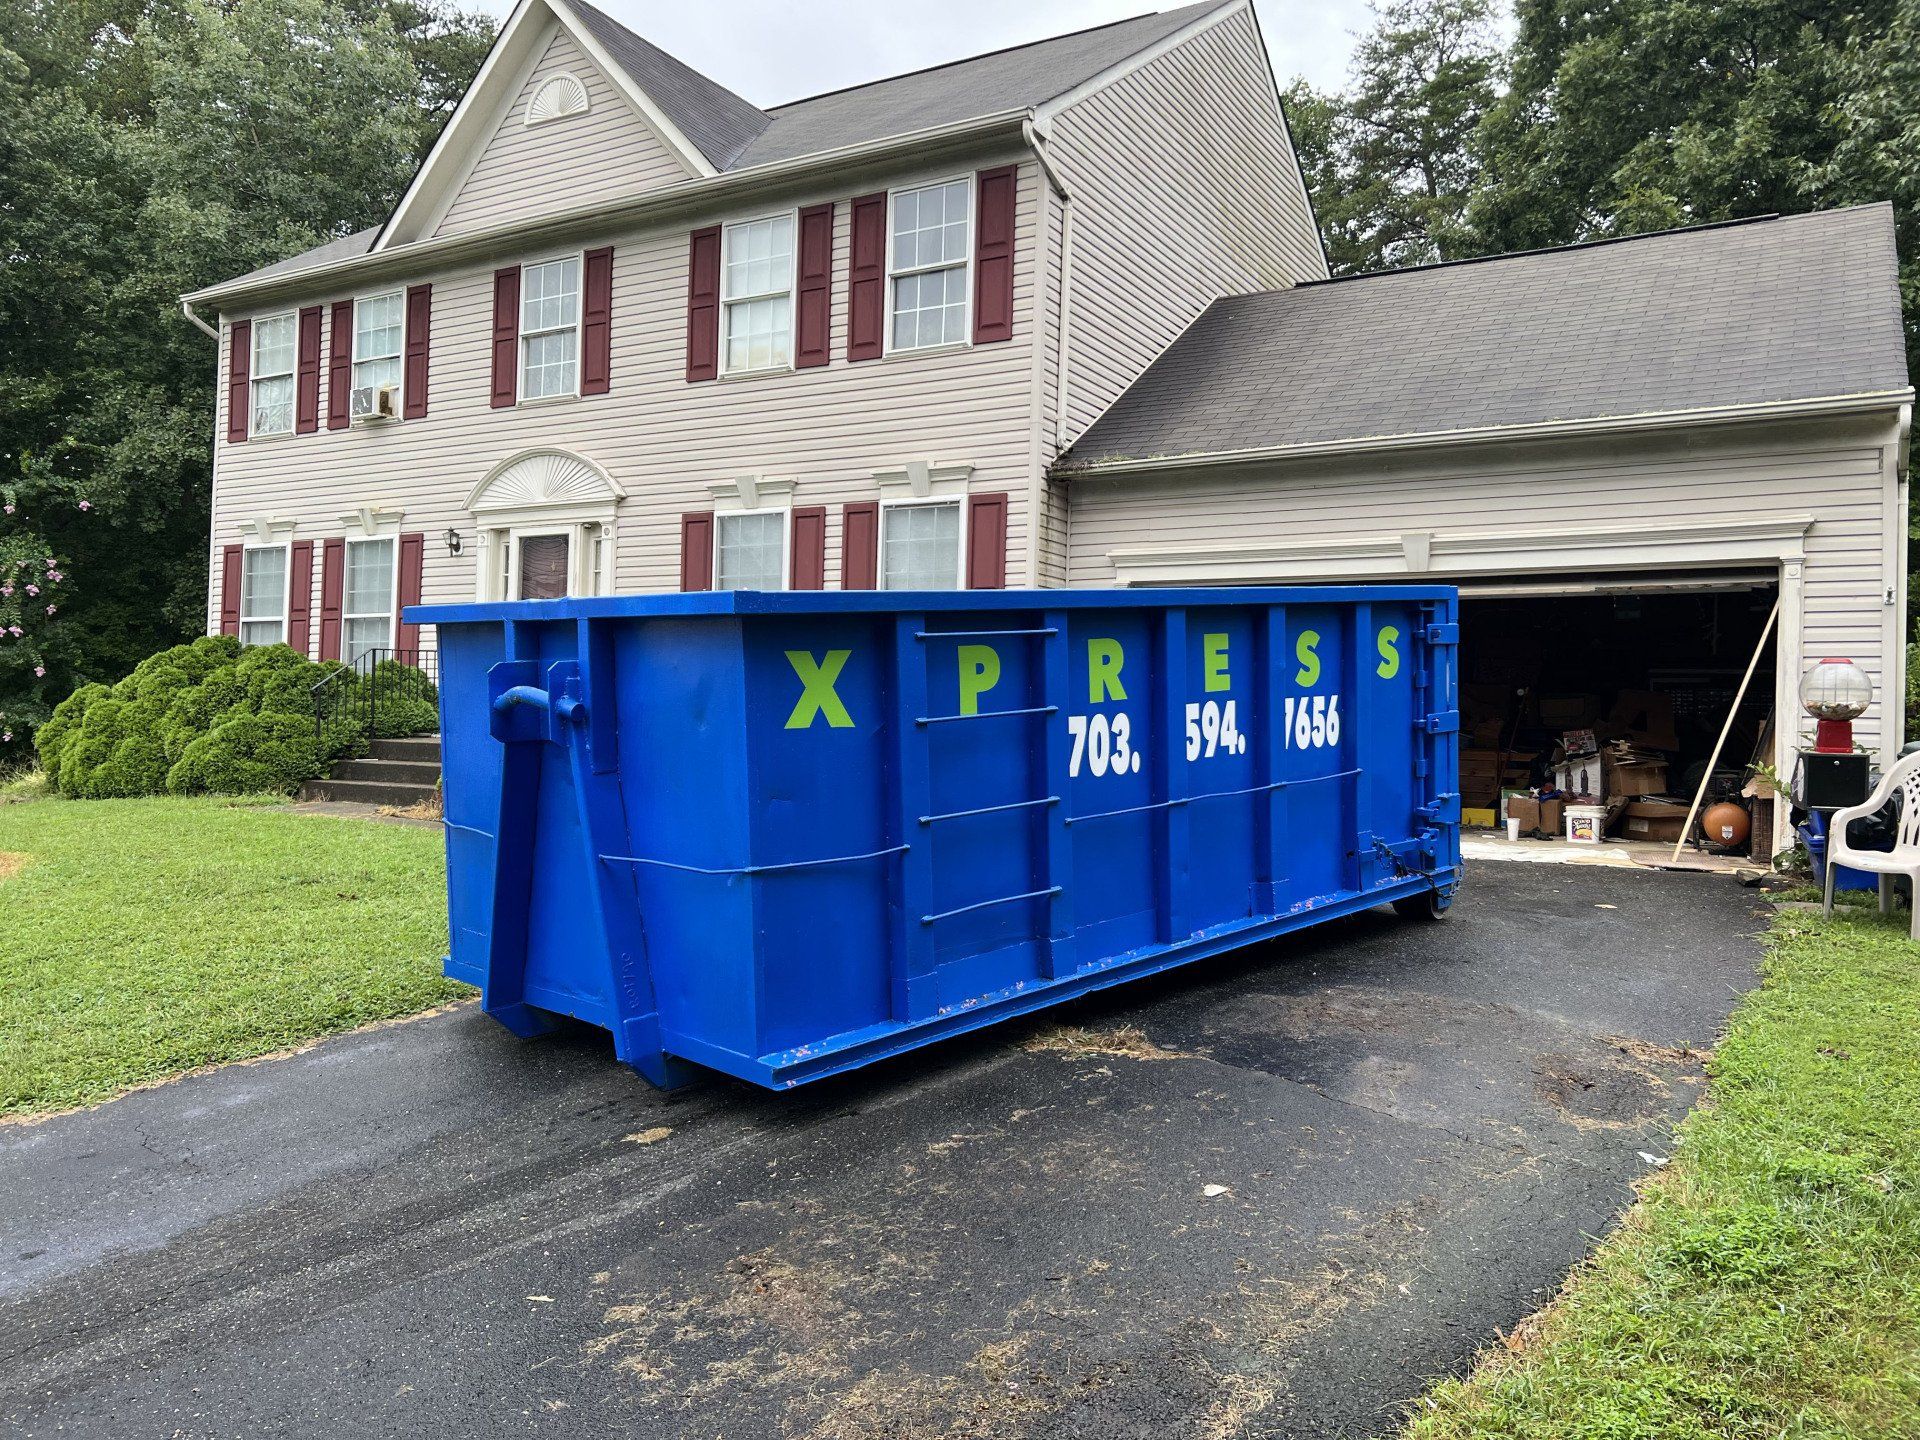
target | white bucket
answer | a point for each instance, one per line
(1586, 824)
(1513, 827)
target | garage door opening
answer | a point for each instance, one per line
(1612, 691)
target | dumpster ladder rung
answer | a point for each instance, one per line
(986, 715)
(986, 904)
(1177, 800)
(752, 869)
(977, 634)
(991, 809)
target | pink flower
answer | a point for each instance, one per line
(33, 589)
(6, 589)
(55, 576)
(39, 672)
(52, 608)
(6, 735)
(9, 509)
(15, 630)
(86, 505)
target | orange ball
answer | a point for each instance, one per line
(1726, 825)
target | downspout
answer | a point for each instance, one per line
(1059, 419)
(1038, 147)
(186, 309)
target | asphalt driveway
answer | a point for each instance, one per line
(436, 1230)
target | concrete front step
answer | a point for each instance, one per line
(370, 792)
(404, 772)
(418, 748)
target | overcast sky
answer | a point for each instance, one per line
(776, 50)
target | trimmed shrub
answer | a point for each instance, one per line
(211, 717)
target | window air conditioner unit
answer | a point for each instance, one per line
(376, 402)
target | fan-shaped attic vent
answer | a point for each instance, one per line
(560, 97)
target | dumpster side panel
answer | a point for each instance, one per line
(821, 731)
(682, 775)
(1108, 721)
(471, 760)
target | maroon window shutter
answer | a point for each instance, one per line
(506, 337)
(239, 374)
(300, 591)
(306, 409)
(596, 323)
(860, 546)
(867, 280)
(703, 305)
(993, 255)
(413, 557)
(333, 579)
(696, 550)
(230, 558)
(809, 548)
(340, 366)
(419, 338)
(815, 319)
(987, 542)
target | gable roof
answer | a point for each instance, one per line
(733, 135)
(718, 122)
(1021, 77)
(1750, 313)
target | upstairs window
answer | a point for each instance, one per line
(378, 327)
(272, 388)
(550, 329)
(263, 595)
(920, 546)
(756, 292)
(927, 268)
(750, 550)
(367, 609)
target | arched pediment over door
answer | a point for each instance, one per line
(546, 521)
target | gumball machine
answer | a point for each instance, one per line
(1835, 692)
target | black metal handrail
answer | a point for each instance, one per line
(385, 694)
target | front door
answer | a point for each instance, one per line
(543, 567)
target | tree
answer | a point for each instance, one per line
(1387, 159)
(152, 147)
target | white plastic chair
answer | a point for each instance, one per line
(1903, 859)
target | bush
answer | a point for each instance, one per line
(211, 717)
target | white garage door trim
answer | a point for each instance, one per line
(1569, 557)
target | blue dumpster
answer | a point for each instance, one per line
(784, 835)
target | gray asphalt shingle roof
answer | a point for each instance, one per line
(718, 122)
(1786, 308)
(734, 134)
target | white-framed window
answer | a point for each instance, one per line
(756, 294)
(366, 610)
(271, 393)
(263, 595)
(550, 328)
(379, 333)
(922, 545)
(750, 549)
(929, 266)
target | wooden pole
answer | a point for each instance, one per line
(1766, 634)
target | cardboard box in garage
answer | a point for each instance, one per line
(1534, 814)
(1649, 819)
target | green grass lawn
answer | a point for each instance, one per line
(1768, 1284)
(140, 938)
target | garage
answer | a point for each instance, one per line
(1626, 454)
(1617, 689)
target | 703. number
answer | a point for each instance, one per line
(1104, 745)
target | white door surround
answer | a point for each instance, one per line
(545, 492)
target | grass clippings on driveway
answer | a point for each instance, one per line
(143, 938)
(1768, 1282)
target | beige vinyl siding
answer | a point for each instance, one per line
(609, 153)
(1184, 189)
(663, 440)
(1840, 481)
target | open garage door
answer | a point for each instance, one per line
(1640, 669)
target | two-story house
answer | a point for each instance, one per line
(625, 331)
(1057, 315)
